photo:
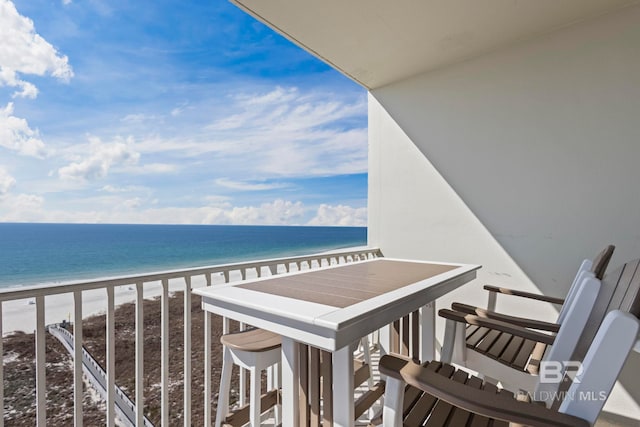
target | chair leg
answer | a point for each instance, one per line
(254, 400)
(449, 341)
(393, 403)
(225, 386)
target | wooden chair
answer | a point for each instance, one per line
(597, 267)
(512, 353)
(438, 395)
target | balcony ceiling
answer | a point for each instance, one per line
(377, 42)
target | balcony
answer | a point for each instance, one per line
(152, 357)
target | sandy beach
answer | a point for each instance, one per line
(20, 315)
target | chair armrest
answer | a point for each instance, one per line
(475, 400)
(523, 294)
(520, 321)
(472, 319)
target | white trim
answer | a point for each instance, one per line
(41, 389)
(164, 353)
(290, 380)
(207, 369)
(342, 366)
(139, 356)
(111, 359)
(78, 394)
(187, 352)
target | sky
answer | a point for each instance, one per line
(172, 112)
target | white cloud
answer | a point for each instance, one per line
(16, 135)
(179, 109)
(102, 157)
(248, 185)
(6, 181)
(134, 203)
(125, 189)
(340, 215)
(253, 107)
(218, 201)
(279, 212)
(116, 208)
(284, 132)
(66, 2)
(155, 168)
(8, 77)
(23, 51)
(21, 208)
(138, 118)
(288, 133)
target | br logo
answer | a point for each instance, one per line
(554, 372)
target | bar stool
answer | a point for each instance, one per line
(253, 349)
(256, 350)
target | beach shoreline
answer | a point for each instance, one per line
(20, 315)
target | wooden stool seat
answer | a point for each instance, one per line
(252, 340)
(255, 350)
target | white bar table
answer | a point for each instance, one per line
(331, 309)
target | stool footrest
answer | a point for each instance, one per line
(240, 416)
(367, 400)
(360, 372)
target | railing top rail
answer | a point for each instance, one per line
(23, 292)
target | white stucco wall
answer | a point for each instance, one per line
(525, 160)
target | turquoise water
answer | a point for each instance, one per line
(46, 253)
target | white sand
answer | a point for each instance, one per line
(20, 315)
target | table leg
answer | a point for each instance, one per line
(290, 382)
(428, 332)
(343, 405)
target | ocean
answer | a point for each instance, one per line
(33, 254)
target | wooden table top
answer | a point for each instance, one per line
(350, 283)
(331, 306)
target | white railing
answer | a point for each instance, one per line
(98, 377)
(212, 275)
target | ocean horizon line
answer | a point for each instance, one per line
(139, 274)
(36, 254)
(182, 224)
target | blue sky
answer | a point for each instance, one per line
(172, 112)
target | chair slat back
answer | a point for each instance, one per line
(620, 290)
